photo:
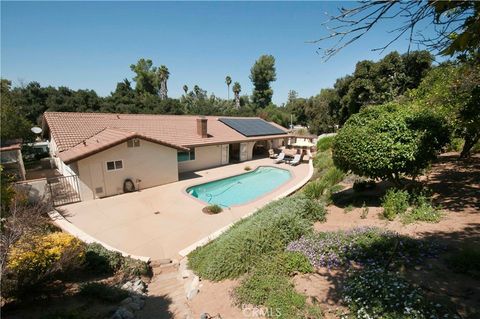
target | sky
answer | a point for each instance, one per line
(91, 45)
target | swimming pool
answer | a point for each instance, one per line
(240, 189)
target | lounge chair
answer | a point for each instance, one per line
(272, 154)
(296, 160)
(280, 158)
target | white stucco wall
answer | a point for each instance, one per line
(205, 157)
(151, 163)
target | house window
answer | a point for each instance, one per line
(114, 165)
(133, 142)
(186, 156)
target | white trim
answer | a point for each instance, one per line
(184, 252)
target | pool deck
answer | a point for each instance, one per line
(164, 221)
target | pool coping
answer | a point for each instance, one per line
(184, 252)
(292, 177)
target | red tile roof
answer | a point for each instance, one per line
(78, 135)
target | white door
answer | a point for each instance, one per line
(243, 152)
(225, 154)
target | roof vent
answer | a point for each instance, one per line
(202, 127)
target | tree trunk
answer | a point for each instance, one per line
(237, 100)
(470, 141)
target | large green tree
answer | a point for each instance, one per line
(262, 74)
(14, 123)
(389, 141)
(145, 76)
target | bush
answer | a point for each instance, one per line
(387, 141)
(455, 145)
(323, 160)
(376, 293)
(214, 209)
(333, 176)
(367, 245)
(424, 212)
(395, 202)
(315, 189)
(267, 231)
(103, 292)
(325, 143)
(32, 260)
(466, 261)
(269, 285)
(100, 260)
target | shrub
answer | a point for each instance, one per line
(269, 285)
(366, 245)
(387, 141)
(294, 262)
(395, 202)
(134, 267)
(466, 261)
(103, 292)
(267, 231)
(325, 143)
(376, 293)
(323, 160)
(315, 189)
(100, 260)
(39, 257)
(214, 209)
(424, 212)
(333, 176)
(455, 145)
(348, 209)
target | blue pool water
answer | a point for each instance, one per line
(240, 189)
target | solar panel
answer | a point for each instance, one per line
(252, 127)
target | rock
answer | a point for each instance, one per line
(193, 288)
(139, 300)
(183, 269)
(123, 313)
(126, 301)
(134, 306)
(127, 286)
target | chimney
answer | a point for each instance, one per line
(202, 127)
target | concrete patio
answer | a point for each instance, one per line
(161, 221)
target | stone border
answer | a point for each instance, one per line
(184, 252)
(73, 230)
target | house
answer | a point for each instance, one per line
(114, 153)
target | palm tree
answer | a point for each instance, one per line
(196, 89)
(228, 80)
(185, 88)
(236, 90)
(163, 75)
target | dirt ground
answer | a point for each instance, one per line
(456, 187)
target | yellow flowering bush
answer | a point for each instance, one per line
(34, 258)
